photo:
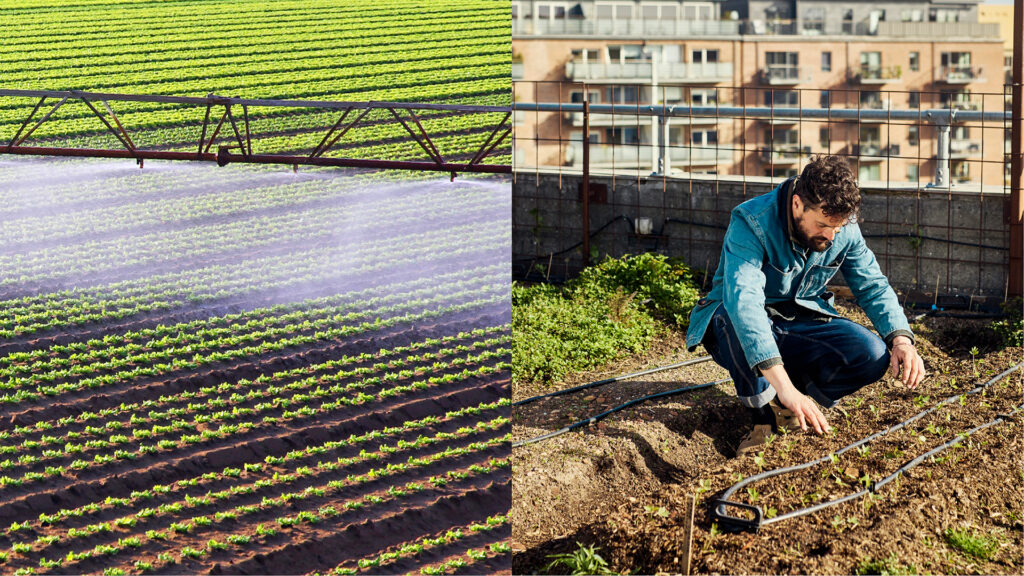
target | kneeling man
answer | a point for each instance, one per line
(769, 319)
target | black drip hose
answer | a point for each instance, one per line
(610, 380)
(594, 419)
(736, 523)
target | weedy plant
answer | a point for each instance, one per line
(585, 560)
(971, 542)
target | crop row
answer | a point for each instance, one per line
(203, 241)
(373, 565)
(237, 422)
(135, 361)
(210, 333)
(225, 523)
(64, 195)
(281, 388)
(367, 84)
(262, 58)
(254, 480)
(328, 29)
(178, 210)
(64, 309)
(160, 498)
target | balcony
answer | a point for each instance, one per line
(636, 156)
(634, 27)
(873, 151)
(783, 154)
(627, 120)
(959, 74)
(877, 75)
(779, 75)
(964, 149)
(936, 30)
(643, 71)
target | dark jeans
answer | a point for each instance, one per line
(825, 360)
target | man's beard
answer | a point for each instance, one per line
(815, 243)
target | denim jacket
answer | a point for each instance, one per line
(761, 265)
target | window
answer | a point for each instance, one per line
(622, 94)
(825, 99)
(824, 137)
(961, 132)
(704, 137)
(782, 98)
(576, 97)
(814, 21)
(848, 22)
(826, 61)
(782, 138)
(704, 97)
(870, 137)
(698, 11)
(703, 56)
(869, 172)
(914, 99)
(871, 65)
(913, 174)
(943, 15)
(913, 137)
(622, 135)
(915, 61)
(515, 10)
(782, 65)
(588, 54)
(623, 12)
(659, 12)
(962, 171)
(872, 100)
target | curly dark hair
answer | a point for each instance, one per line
(828, 183)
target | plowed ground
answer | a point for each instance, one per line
(624, 485)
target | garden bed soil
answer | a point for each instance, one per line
(623, 485)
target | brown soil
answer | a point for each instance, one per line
(607, 485)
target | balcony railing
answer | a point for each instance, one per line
(780, 75)
(959, 74)
(783, 154)
(634, 27)
(936, 30)
(632, 156)
(645, 70)
(877, 75)
(959, 149)
(625, 120)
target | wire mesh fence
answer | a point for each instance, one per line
(666, 165)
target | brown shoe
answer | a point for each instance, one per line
(784, 417)
(754, 439)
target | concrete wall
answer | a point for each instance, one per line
(689, 217)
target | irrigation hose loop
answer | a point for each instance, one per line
(734, 523)
(594, 419)
(597, 383)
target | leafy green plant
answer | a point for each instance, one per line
(889, 566)
(1011, 328)
(971, 542)
(585, 560)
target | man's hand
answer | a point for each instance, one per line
(905, 356)
(805, 409)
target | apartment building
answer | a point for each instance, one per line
(913, 55)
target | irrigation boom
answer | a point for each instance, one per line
(241, 136)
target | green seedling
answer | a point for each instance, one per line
(585, 560)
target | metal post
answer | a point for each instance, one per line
(586, 177)
(942, 155)
(663, 153)
(1016, 284)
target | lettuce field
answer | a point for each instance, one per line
(235, 370)
(455, 52)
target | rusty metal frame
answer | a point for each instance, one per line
(243, 136)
